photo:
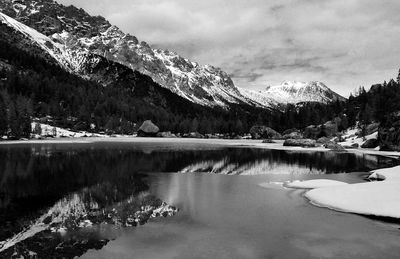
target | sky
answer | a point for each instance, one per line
(343, 43)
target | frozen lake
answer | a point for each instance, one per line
(223, 212)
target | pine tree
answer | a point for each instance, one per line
(239, 127)
(367, 114)
(398, 78)
(38, 129)
(54, 131)
(13, 122)
(194, 126)
(23, 117)
(3, 118)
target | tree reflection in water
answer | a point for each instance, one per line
(47, 189)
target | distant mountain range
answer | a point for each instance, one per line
(292, 93)
(78, 42)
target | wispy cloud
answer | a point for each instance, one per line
(344, 43)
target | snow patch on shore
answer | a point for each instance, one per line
(373, 198)
(313, 184)
(351, 138)
(391, 174)
(56, 132)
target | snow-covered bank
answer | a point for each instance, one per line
(350, 138)
(46, 130)
(373, 198)
(388, 174)
(312, 184)
(45, 133)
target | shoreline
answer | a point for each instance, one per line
(380, 197)
(245, 143)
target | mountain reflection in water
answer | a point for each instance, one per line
(47, 189)
(39, 175)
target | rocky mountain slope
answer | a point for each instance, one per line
(87, 64)
(70, 34)
(116, 97)
(76, 32)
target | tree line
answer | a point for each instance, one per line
(379, 104)
(31, 87)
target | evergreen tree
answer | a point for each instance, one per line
(194, 126)
(239, 127)
(37, 129)
(54, 131)
(24, 116)
(14, 132)
(3, 118)
(398, 78)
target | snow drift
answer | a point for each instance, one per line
(373, 198)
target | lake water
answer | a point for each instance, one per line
(223, 211)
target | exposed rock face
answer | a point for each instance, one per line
(368, 129)
(334, 146)
(389, 134)
(293, 135)
(352, 146)
(195, 135)
(329, 129)
(371, 128)
(50, 17)
(300, 143)
(148, 129)
(312, 132)
(323, 140)
(211, 136)
(339, 138)
(270, 141)
(370, 143)
(264, 132)
(289, 131)
(389, 139)
(167, 134)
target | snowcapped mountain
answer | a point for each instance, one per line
(78, 41)
(292, 92)
(140, 89)
(56, 51)
(78, 32)
(80, 62)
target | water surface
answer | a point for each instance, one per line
(223, 212)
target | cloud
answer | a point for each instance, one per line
(344, 43)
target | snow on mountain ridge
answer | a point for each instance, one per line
(78, 31)
(79, 62)
(293, 92)
(75, 33)
(259, 99)
(53, 49)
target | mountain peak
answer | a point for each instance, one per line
(296, 92)
(300, 84)
(114, 31)
(293, 92)
(78, 31)
(75, 33)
